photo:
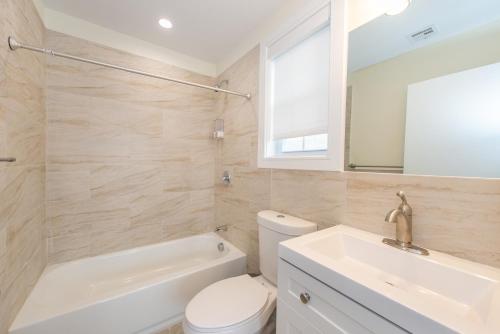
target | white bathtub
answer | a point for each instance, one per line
(142, 290)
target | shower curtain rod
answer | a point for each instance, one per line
(14, 45)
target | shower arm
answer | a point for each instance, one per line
(14, 45)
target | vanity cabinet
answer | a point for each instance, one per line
(308, 306)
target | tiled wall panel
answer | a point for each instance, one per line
(22, 135)
(129, 158)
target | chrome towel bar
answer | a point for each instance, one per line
(7, 159)
(354, 166)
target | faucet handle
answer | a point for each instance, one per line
(401, 194)
(404, 206)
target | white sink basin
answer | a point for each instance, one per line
(422, 294)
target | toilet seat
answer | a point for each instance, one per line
(236, 305)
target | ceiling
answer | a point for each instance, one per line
(387, 36)
(205, 29)
(211, 29)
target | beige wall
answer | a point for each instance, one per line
(379, 91)
(454, 215)
(249, 193)
(129, 159)
(22, 135)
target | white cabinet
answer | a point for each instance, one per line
(290, 322)
(306, 305)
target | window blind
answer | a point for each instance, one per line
(300, 84)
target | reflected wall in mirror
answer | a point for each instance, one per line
(424, 91)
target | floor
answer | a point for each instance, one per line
(269, 329)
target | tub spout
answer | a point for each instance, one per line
(220, 228)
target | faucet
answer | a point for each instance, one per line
(402, 217)
(220, 228)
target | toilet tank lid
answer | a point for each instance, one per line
(285, 224)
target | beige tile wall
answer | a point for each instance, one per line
(249, 192)
(22, 135)
(454, 215)
(129, 158)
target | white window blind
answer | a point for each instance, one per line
(300, 85)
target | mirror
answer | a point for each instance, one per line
(423, 91)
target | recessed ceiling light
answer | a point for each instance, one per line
(398, 7)
(165, 23)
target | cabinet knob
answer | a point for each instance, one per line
(305, 298)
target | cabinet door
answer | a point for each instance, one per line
(290, 322)
(326, 308)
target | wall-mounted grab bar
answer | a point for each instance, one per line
(7, 159)
(14, 45)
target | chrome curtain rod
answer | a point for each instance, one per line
(14, 45)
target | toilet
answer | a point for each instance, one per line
(244, 304)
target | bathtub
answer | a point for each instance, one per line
(137, 291)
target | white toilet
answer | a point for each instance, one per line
(242, 304)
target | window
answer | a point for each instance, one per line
(316, 144)
(302, 83)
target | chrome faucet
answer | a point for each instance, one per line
(220, 228)
(402, 217)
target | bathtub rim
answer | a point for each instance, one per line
(233, 254)
(127, 251)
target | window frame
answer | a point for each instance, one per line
(292, 33)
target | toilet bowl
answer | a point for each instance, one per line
(238, 305)
(244, 304)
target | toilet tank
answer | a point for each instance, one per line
(275, 227)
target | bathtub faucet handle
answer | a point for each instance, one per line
(221, 228)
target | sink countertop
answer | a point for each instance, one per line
(438, 293)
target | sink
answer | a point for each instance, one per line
(438, 293)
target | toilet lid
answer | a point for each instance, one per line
(227, 303)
